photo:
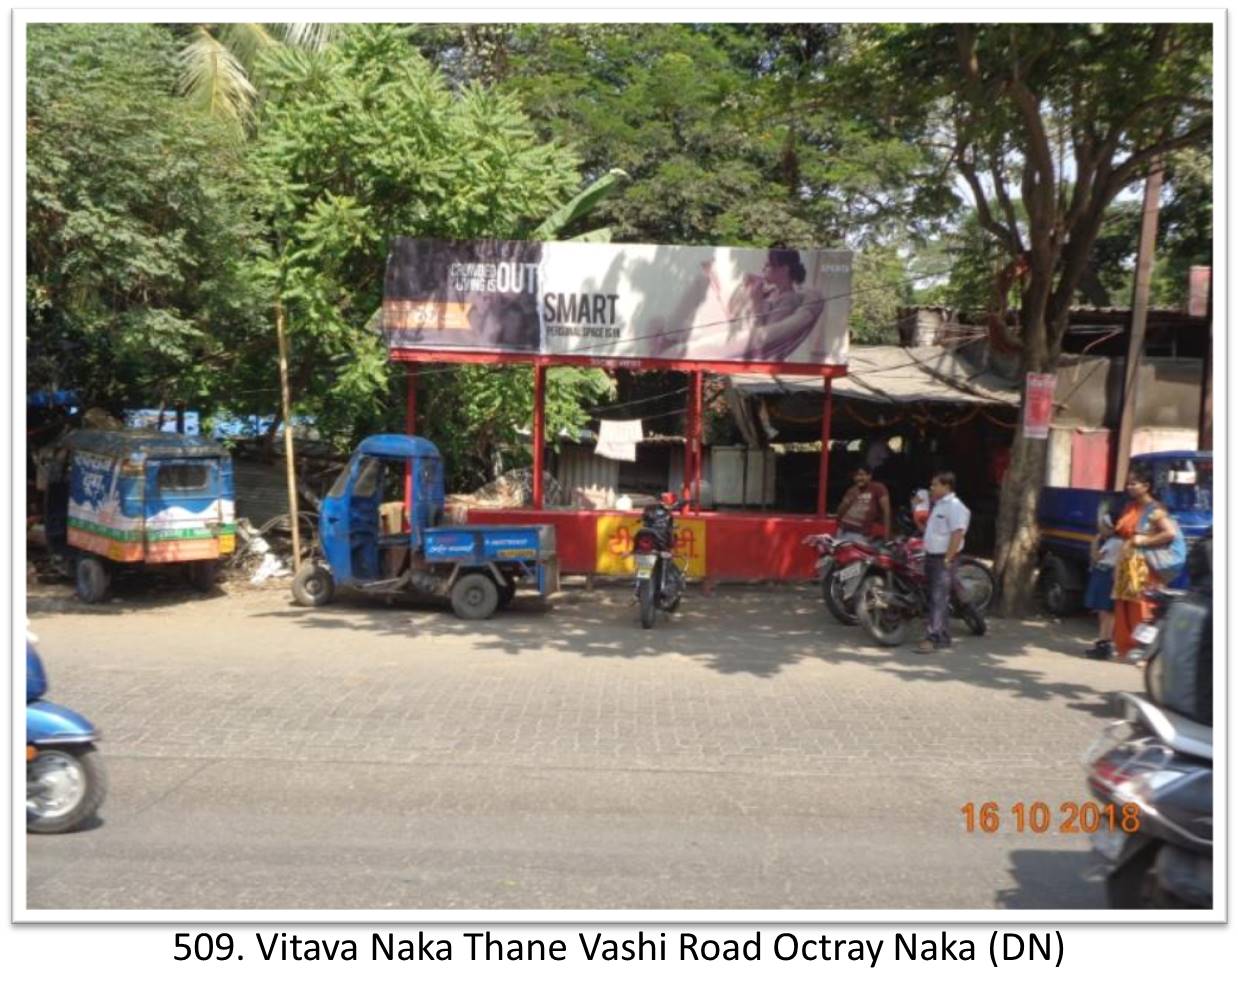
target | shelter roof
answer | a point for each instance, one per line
(896, 375)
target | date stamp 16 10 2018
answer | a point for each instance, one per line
(1039, 817)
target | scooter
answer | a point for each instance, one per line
(1152, 773)
(65, 779)
(659, 580)
(894, 591)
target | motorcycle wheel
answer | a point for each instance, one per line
(1153, 672)
(975, 619)
(648, 606)
(976, 581)
(313, 586)
(64, 788)
(886, 625)
(832, 595)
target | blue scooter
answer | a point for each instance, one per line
(65, 780)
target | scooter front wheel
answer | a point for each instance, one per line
(64, 788)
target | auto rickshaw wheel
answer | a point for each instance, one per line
(203, 574)
(91, 579)
(507, 591)
(474, 597)
(313, 585)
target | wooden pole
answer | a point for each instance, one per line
(1205, 401)
(823, 479)
(539, 431)
(1139, 323)
(288, 451)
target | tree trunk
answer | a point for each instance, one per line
(1015, 559)
(1017, 535)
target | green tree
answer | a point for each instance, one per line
(215, 63)
(139, 227)
(1007, 106)
(1184, 238)
(365, 141)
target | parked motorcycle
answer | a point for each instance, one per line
(841, 563)
(1152, 773)
(894, 592)
(1175, 646)
(660, 580)
(65, 779)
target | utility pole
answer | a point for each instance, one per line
(288, 453)
(1205, 398)
(1139, 322)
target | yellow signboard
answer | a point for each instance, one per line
(615, 534)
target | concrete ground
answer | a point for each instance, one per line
(750, 753)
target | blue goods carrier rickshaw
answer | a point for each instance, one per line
(123, 499)
(479, 568)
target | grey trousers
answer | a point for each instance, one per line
(940, 584)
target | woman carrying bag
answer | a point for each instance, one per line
(1153, 554)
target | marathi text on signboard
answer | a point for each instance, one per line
(616, 533)
(615, 302)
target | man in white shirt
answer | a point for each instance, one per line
(943, 541)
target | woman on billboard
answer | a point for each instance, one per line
(766, 319)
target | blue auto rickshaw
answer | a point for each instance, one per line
(120, 499)
(479, 568)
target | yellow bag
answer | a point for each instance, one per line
(1131, 577)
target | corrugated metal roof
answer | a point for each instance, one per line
(896, 375)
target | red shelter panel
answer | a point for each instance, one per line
(722, 546)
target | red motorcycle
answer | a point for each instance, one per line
(841, 566)
(894, 591)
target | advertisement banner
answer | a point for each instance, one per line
(615, 535)
(618, 303)
(1038, 406)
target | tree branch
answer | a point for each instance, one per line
(1038, 196)
(1008, 238)
(1003, 198)
(1124, 174)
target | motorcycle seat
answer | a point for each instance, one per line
(1175, 731)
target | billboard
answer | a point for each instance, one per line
(618, 303)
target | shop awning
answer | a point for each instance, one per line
(895, 375)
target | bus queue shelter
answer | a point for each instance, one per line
(693, 310)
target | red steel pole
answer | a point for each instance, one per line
(823, 480)
(539, 430)
(698, 440)
(410, 428)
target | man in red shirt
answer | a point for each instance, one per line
(865, 504)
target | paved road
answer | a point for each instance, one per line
(750, 754)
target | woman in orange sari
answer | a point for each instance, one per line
(1143, 524)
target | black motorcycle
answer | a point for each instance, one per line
(659, 580)
(1153, 770)
(1152, 775)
